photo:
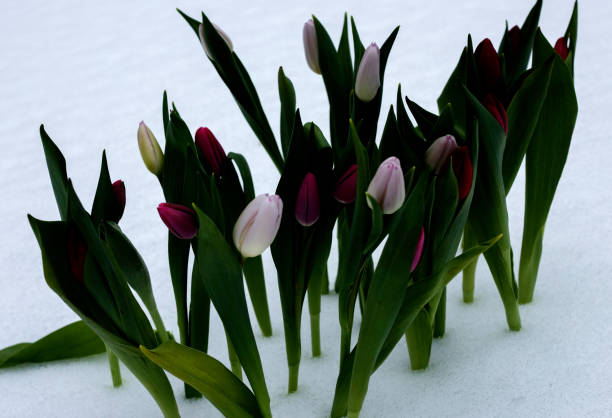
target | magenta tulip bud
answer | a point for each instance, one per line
(387, 187)
(311, 47)
(307, 204)
(514, 40)
(497, 110)
(438, 153)
(464, 172)
(211, 149)
(179, 219)
(258, 224)
(561, 48)
(346, 186)
(488, 65)
(367, 81)
(119, 190)
(150, 151)
(226, 38)
(419, 251)
(77, 251)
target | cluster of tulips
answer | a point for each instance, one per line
(417, 192)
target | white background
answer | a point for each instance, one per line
(91, 70)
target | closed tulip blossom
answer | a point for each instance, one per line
(367, 81)
(497, 110)
(462, 167)
(438, 153)
(150, 150)
(387, 187)
(489, 67)
(514, 40)
(224, 35)
(346, 186)
(311, 47)
(561, 48)
(179, 219)
(211, 150)
(258, 224)
(119, 191)
(419, 251)
(307, 205)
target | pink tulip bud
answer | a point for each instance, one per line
(307, 204)
(514, 40)
(419, 251)
(346, 186)
(561, 48)
(387, 186)
(179, 219)
(367, 81)
(258, 224)
(487, 62)
(150, 151)
(211, 149)
(77, 251)
(226, 38)
(496, 108)
(462, 166)
(439, 152)
(119, 190)
(311, 46)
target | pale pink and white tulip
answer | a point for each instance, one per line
(439, 152)
(150, 150)
(258, 224)
(311, 46)
(367, 81)
(387, 187)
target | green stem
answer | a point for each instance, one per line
(315, 334)
(353, 414)
(113, 363)
(325, 283)
(159, 323)
(469, 273)
(294, 370)
(233, 358)
(439, 326)
(531, 252)
(419, 337)
(314, 307)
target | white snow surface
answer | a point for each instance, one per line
(91, 71)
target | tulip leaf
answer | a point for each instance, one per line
(72, 341)
(424, 119)
(572, 34)
(56, 165)
(287, 112)
(377, 226)
(245, 173)
(105, 204)
(358, 47)
(218, 384)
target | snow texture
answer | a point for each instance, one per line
(90, 71)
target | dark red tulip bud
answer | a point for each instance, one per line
(496, 108)
(419, 251)
(346, 186)
(561, 48)
(211, 149)
(462, 167)
(77, 251)
(119, 190)
(179, 219)
(514, 40)
(487, 62)
(307, 204)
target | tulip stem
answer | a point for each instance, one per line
(113, 363)
(159, 323)
(294, 370)
(315, 334)
(469, 273)
(233, 358)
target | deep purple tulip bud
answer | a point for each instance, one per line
(514, 40)
(150, 151)
(487, 62)
(367, 81)
(77, 251)
(419, 251)
(561, 48)
(307, 204)
(119, 190)
(496, 108)
(211, 149)
(311, 46)
(346, 186)
(226, 38)
(439, 152)
(258, 224)
(179, 219)
(387, 186)
(462, 167)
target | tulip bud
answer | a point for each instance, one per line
(346, 186)
(150, 151)
(311, 47)
(488, 65)
(438, 153)
(419, 251)
(514, 40)
(462, 167)
(77, 251)
(179, 219)
(211, 149)
(307, 204)
(119, 190)
(496, 108)
(226, 38)
(387, 186)
(561, 48)
(368, 74)
(258, 224)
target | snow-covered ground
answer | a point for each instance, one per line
(92, 70)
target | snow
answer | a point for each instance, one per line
(92, 70)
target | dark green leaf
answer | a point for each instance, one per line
(57, 172)
(287, 112)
